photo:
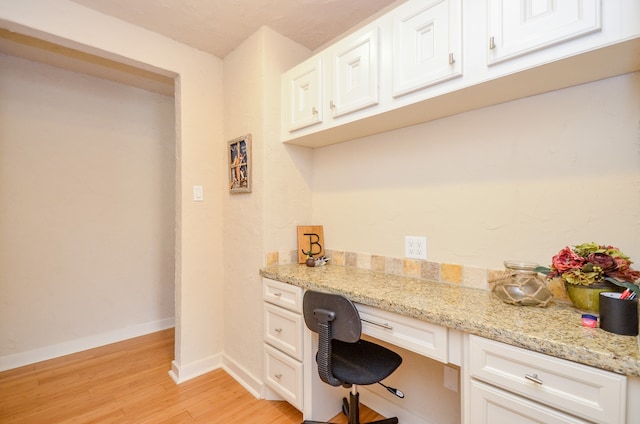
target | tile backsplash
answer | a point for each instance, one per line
(467, 276)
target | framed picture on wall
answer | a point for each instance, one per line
(240, 164)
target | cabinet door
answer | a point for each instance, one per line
(427, 45)
(283, 330)
(355, 73)
(517, 27)
(302, 87)
(284, 375)
(494, 406)
(594, 394)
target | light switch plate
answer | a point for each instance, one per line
(198, 193)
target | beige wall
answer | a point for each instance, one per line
(259, 221)
(519, 180)
(87, 210)
(198, 112)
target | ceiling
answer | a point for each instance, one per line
(219, 26)
(213, 26)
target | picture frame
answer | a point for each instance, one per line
(239, 151)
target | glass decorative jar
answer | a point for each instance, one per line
(521, 285)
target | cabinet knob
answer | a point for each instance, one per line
(314, 110)
(492, 43)
(278, 376)
(332, 105)
(278, 330)
(277, 294)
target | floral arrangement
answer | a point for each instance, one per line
(591, 263)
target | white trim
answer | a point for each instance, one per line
(252, 384)
(182, 373)
(20, 359)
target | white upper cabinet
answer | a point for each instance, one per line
(427, 44)
(355, 74)
(302, 87)
(333, 83)
(428, 59)
(517, 27)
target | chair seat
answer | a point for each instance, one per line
(363, 362)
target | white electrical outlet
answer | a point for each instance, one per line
(415, 247)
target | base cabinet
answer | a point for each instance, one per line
(560, 388)
(283, 343)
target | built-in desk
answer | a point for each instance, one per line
(555, 331)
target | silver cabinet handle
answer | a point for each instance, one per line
(314, 110)
(379, 324)
(451, 59)
(492, 43)
(533, 378)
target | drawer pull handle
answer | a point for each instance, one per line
(379, 324)
(278, 294)
(278, 330)
(533, 378)
(278, 376)
(492, 43)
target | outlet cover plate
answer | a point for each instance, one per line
(415, 247)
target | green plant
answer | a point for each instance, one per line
(591, 263)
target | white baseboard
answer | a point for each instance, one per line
(254, 385)
(181, 373)
(20, 359)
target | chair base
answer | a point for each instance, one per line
(352, 410)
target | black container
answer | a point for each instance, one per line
(619, 316)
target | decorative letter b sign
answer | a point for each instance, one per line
(310, 239)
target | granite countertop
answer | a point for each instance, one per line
(555, 330)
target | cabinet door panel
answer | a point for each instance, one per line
(355, 74)
(426, 44)
(494, 406)
(283, 330)
(517, 27)
(304, 89)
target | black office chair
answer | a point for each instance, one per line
(343, 358)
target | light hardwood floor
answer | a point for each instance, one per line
(128, 382)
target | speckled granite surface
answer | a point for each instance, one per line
(555, 330)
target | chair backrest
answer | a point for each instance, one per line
(333, 317)
(345, 322)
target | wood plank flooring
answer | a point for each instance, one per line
(128, 382)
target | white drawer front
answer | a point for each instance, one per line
(412, 334)
(282, 294)
(283, 330)
(587, 392)
(490, 405)
(283, 375)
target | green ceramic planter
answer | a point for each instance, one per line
(587, 298)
